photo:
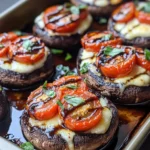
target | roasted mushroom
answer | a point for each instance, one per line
(66, 114)
(62, 26)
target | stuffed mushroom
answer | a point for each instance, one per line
(119, 72)
(132, 22)
(25, 61)
(99, 7)
(66, 114)
(61, 26)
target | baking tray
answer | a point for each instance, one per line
(134, 124)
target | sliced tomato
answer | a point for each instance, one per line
(119, 65)
(143, 17)
(5, 37)
(141, 60)
(60, 19)
(3, 51)
(21, 53)
(82, 119)
(124, 13)
(94, 41)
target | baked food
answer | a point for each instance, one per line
(132, 23)
(61, 26)
(99, 7)
(66, 114)
(24, 61)
(117, 71)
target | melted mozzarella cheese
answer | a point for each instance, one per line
(133, 29)
(102, 3)
(52, 123)
(104, 123)
(137, 77)
(84, 25)
(68, 136)
(23, 68)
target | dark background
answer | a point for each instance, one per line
(4, 4)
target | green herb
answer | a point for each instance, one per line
(50, 93)
(82, 6)
(60, 7)
(68, 5)
(73, 100)
(72, 86)
(28, 45)
(147, 53)
(102, 21)
(1, 45)
(75, 10)
(147, 7)
(107, 37)
(27, 146)
(19, 33)
(1, 88)
(69, 73)
(68, 57)
(112, 51)
(60, 104)
(84, 68)
(45, 85)
(57, 51)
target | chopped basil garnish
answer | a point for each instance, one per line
(84, 68)
(73, 100)
(147, 53)
(145, 7)
(45, 85)
(27, 146)
(57, 51)
(1, 45)
(28, 45)
(72, 86)
(68, 57)
(60, 104)
(107, 37)
(75, 10)
(82, 6)
(102, 21)
(19, 33)
(109, 51)
(50, 93)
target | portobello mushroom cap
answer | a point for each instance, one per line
(62, 42)
(138, 41)
(11, 79)
(40, 139)
(97, 10)
(117, 93)
(3, 106)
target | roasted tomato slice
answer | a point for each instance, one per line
(143, 14)
(81, 109)
(124, 13)
(27, 49)
(94, 41)
(141, 58)
(61, 19)
(42, 103)
(116, 61)
(3, 50)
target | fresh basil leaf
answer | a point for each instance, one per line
(57, 51)
(68, 57)
(27, 146)
(50, 93)
(45, 85)
(73, 100)
(19, 33)
(147, 7)
(59, 67)
(107, 37)
(82, 6)
(109, 51)
(69, 73)
(72, 86)
(84, 68)
(147, 53)
(1, 45)
(68, 5)
(60, 104)
(102, 21)
(27, 44)
(75, 10)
